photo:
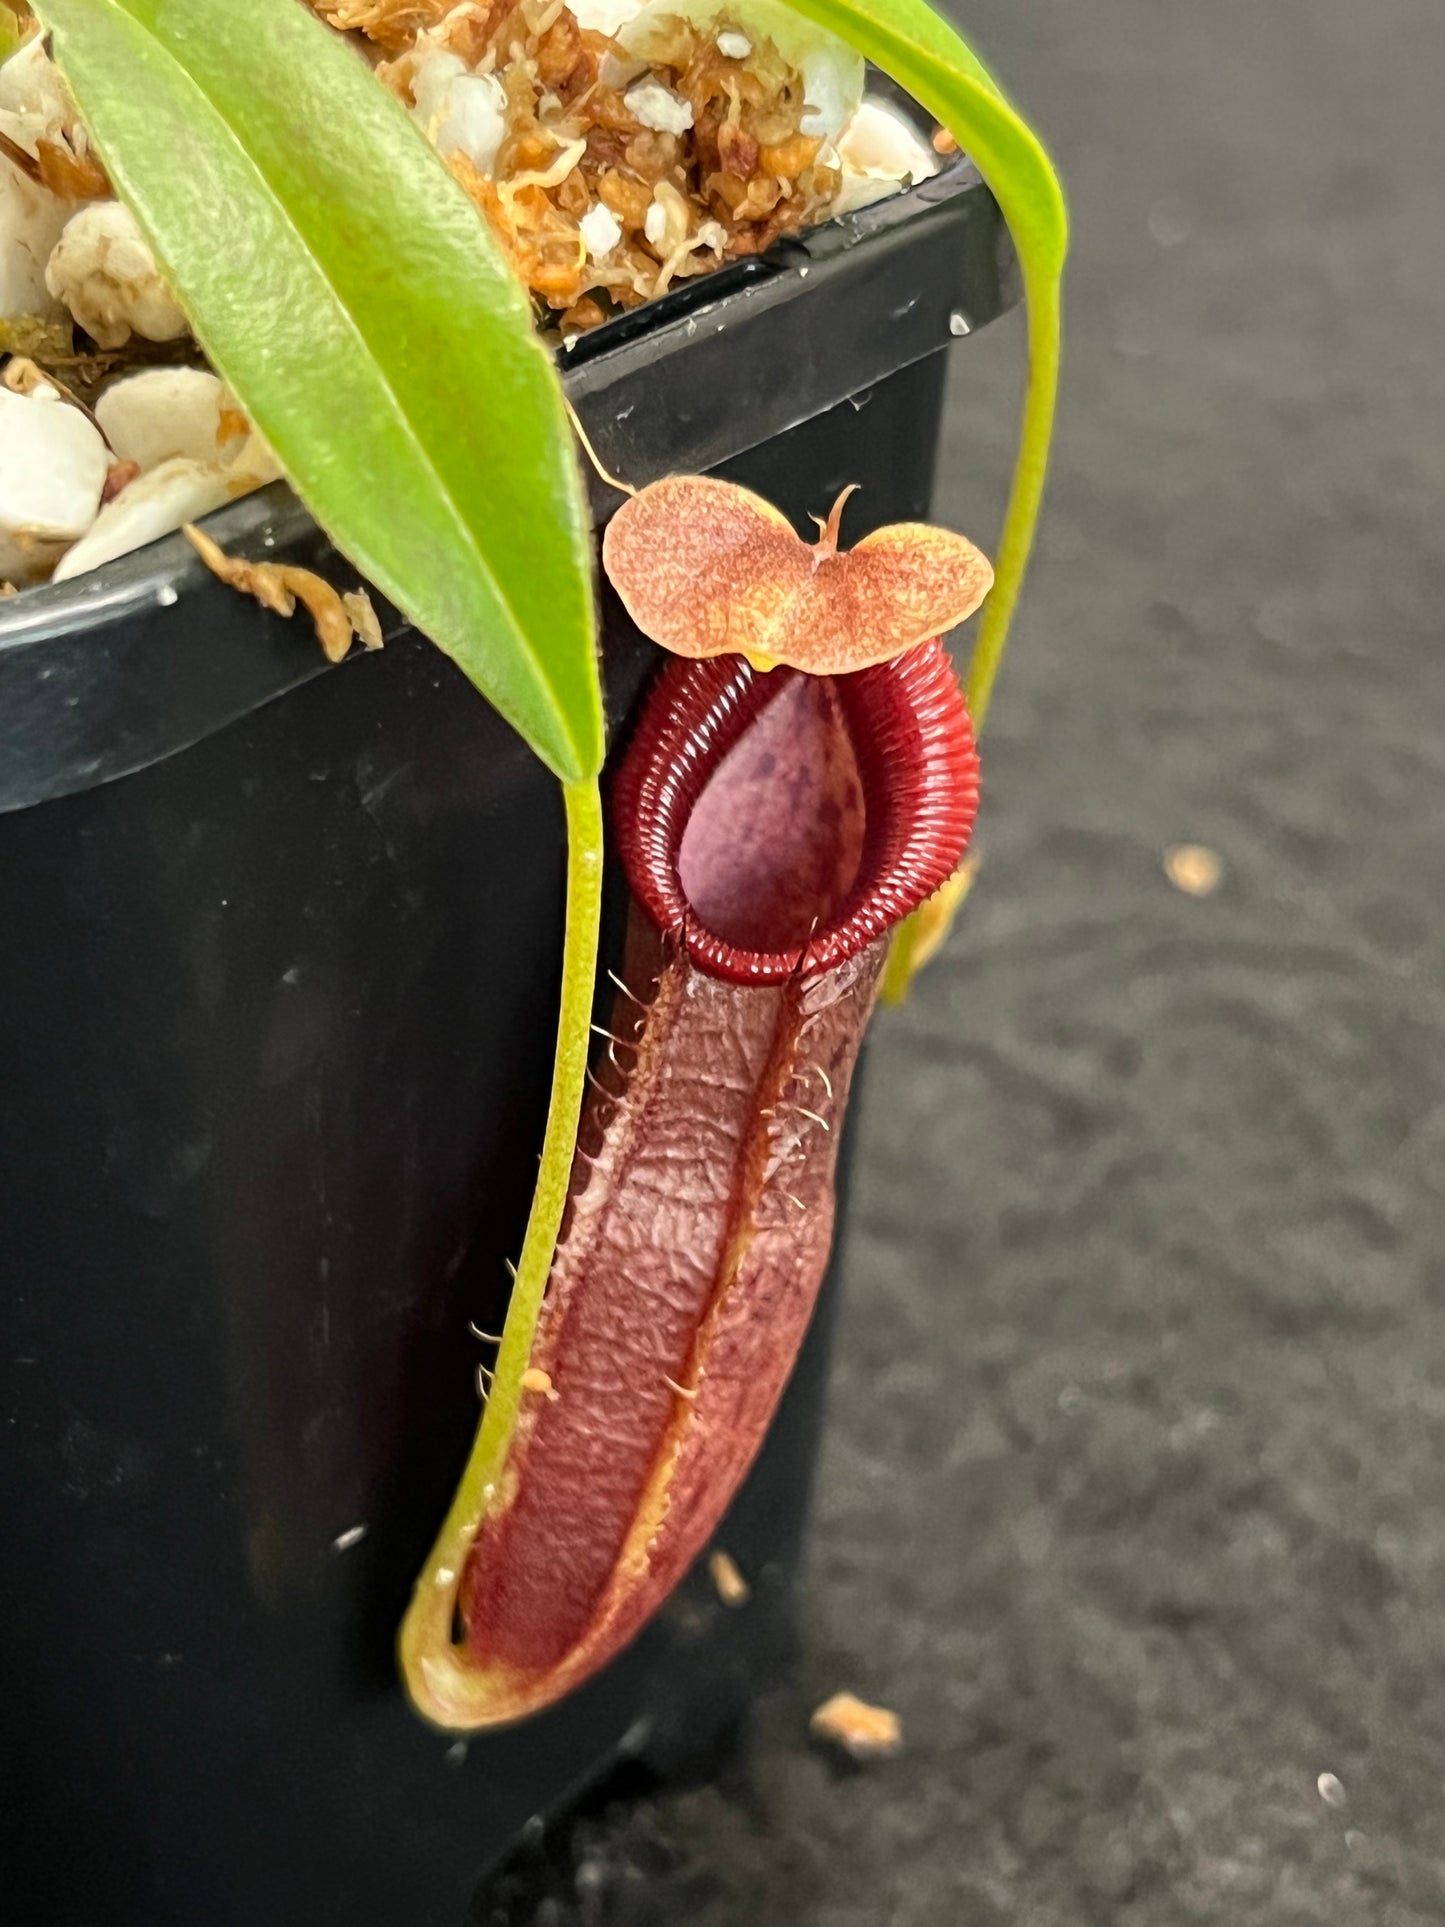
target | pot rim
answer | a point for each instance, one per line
(104, 674)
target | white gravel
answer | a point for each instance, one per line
(104, 272)
(53, 466)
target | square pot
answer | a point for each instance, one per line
(277, 1005)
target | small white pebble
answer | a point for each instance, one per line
(33, 95)
(601, 231)
(658, 107)
(344, 1541)
(1331, 1790)
(32, 220)
(655, 225)
(880, 151)
(151, 506)
(162, 412)
(53, 466)
(104, 272)
(168, 597)
(959, 324)
(734, 46)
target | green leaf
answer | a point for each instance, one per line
(925, 55)
(355, 300)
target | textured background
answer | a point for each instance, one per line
(1133, 1502)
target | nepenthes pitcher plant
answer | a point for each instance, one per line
(798, 783)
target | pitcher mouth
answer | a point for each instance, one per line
(776, 824)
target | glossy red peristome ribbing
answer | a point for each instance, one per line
(917, 764)
(823, 810)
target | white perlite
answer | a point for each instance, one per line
(658, 107)
(832, 71)
(605, 16)
(460, 111)
(654, 225)
(106, 275)
(620, 74)
(53, 467)
(180, 426)
(601, 231)
(828, 94)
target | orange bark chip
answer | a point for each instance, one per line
(709, 569)
(866, 1732)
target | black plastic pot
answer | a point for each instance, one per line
(277, 1000)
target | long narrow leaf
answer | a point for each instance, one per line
(355, 300)
(925, 55)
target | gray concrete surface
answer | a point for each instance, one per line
(1133, 1503)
